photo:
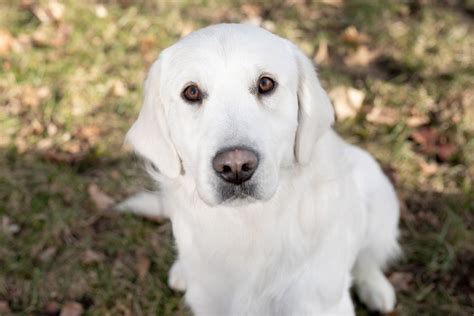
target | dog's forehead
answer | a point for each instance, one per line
(244, 44)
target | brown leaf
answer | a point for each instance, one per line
(251, 10)
(347, 101)
(68, 157)
(7, 226)
(88, 133)
(427, 139)
(143, 265)
(47, 254)
(47, 35)
(29, 97)
(186, 28)
(446, 151)
(4, 308)
(334, 3)
(417, 120)
(353, 36)
(101, 200)
(383, 115)
(52, 307)
(401, 280)
(428, 168)
(362, 57)
(90, 256)
(118, 89)
(72, 309)
(146, 46)
(6, 42)
(322, 53)
(428, 217)
(49, 11)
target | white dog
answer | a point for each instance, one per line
(272, 212)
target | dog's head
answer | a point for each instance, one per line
(231, 105)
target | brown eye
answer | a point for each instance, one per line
(192, 93)
(265, 85)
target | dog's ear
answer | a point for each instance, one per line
(150, 135)
(315, 111)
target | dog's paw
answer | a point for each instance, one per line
(176, 279)
(377, 293)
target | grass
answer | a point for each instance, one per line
(70, 88)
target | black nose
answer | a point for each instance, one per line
(235, 165)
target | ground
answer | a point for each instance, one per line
(401, 77)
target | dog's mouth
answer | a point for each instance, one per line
(244, 191)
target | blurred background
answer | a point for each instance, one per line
(401, 77)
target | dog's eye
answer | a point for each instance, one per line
(192, 93)
(265, 85)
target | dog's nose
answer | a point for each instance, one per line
(235, 165)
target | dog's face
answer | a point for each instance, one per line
(230, 106)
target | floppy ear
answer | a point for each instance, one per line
(149, 135)
(315, 111)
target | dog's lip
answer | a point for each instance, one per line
(231, 192)
(247, 199)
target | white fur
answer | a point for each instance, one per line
(322, 215)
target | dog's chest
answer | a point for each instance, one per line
(278, 233)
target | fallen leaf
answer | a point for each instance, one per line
(27, 4)
(446, 151)
(88, 133)
(6, 42)
(362, 57)
(269, 25)
(417, 120)
(49, 11)
(52, 129)
(101, 200)
(322, 53)
(90, 256)
(37, 127)
(58, 156)
(428, 168)
(186, 28)
(44, 144)
(47, 35)
(118, 89)
(427, 139)
(347, 101)
(383, 115)
(401, 280)
(428, 217)
(146, 46)
(74, 147)
(8, 227)
(143, 265)
(29, 97)
(4, 308)
(114, 174)
(334, 3)
(72, 309)
(251, 10)
(52, 308)
(47, 254)
(353, 36)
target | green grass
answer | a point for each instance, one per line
(65, 108)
